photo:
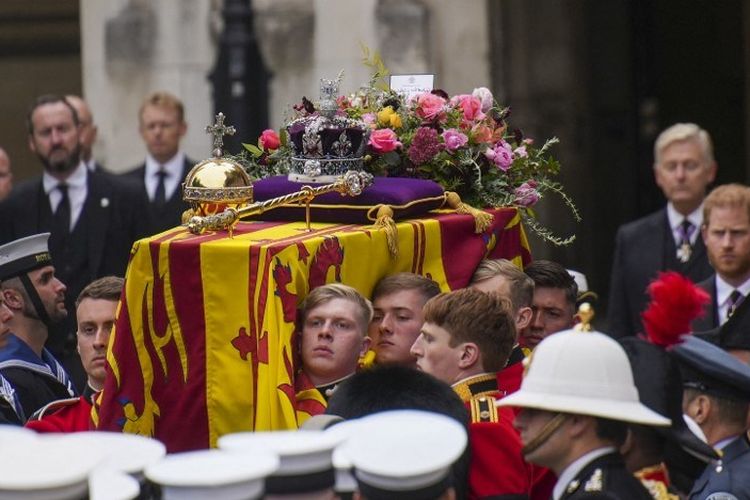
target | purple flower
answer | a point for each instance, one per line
(501, 154)
(424, 146)
(454, 139)
(526, 194)
(521, 152)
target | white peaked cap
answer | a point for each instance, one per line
(45, 469)
(405, 452)
(213, 474)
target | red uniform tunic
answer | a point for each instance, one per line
(64, 415)
(497, 467)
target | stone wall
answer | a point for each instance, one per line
(133, 47)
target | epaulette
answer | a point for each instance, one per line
(483, 409)
(52, 407)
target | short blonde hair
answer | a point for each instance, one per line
(521, 285)
(327, 293)
(162, 99)
(728, 195)
(684, 132)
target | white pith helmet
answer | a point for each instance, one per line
(585, 373)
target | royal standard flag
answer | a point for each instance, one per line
(204, 343)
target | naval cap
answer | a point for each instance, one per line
(24, 255)
(215, 474)
(306, 457)
(405, 454)
(712, 370)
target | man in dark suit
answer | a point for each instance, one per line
(726, 234)
(162, 126)
(94, 218)
(668, 239)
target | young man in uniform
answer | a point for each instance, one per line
(397, 301)
(95, 312)
(334, 322)
(465, 340)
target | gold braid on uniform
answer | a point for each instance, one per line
(483, 409)
(548, 429)
(481, 385)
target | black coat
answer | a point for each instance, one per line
(115, 213)
(605, 477)
(170, 215)
(642, 249)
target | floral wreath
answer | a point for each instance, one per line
(463, 142)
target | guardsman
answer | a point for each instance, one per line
(95, 313)
(466, 338)
(397, 301)
(577, 397)
(334, 325)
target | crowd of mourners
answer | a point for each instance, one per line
(499, 390)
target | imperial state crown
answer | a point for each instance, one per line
(326, 142)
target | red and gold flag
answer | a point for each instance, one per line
(205, 342)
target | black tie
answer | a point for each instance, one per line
(160, 195)
(62, 214)
(735, 299)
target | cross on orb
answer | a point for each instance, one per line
(219, 130)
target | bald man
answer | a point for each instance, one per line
(6, 175)
(87, 131)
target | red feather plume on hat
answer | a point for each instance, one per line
(675, 303)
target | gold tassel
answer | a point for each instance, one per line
(384, 221)
(482, 220)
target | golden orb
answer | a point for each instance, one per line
(215, 184)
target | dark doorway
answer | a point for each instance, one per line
(633, 68)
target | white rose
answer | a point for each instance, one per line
(484, 95)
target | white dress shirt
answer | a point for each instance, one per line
(77, 191)
(675, 221)
(173, 179)
(723, 291)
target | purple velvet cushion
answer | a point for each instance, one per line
(405, 196)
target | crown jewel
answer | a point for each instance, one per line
(326, 142)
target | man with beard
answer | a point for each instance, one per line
(726, 234)
(93, 218)
(36, 298)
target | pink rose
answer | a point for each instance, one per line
(485, 97)
(269, 140)
(454, 139)
(470, 105)
(384, 140)
(521, 152)
(430, 106)
(526, 194)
